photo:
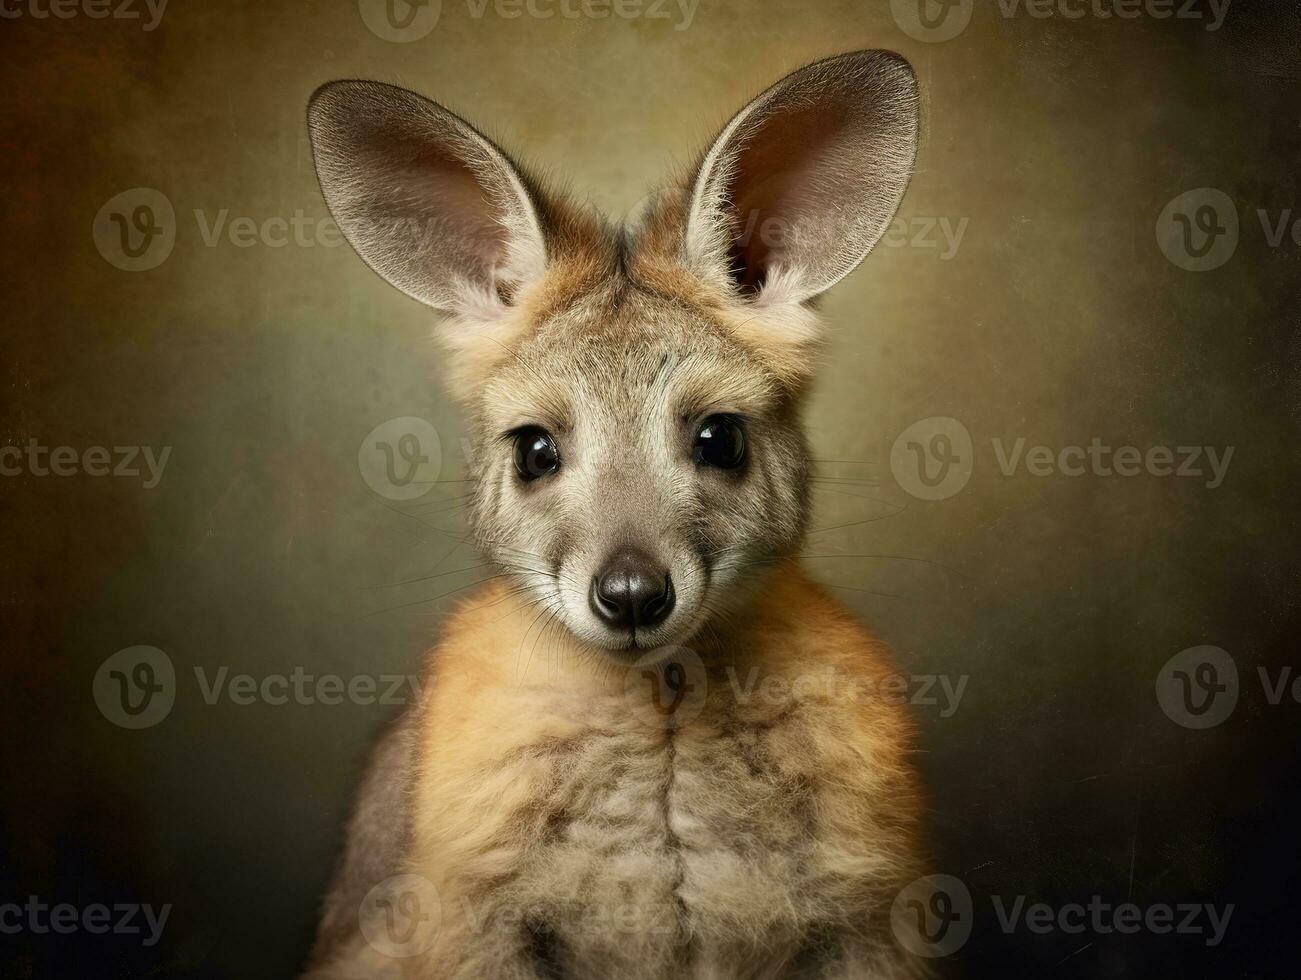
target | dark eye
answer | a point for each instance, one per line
(535, 453)
(720, 442)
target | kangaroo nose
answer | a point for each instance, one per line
(631, 591)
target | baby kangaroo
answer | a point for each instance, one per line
(652, 747)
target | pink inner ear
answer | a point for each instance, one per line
(435, 195)
(785, 177)
(447, 188)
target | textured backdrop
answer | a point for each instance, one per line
(1099, 250)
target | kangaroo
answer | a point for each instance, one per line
(651, 747)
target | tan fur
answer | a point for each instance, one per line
(569, 828)
(725, 847)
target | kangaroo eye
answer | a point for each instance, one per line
(535, 453)
(720, 442)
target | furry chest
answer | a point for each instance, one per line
(660, 853)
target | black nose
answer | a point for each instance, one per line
(631, 591)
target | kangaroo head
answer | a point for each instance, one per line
(632, 393)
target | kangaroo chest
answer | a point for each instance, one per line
(665, 837)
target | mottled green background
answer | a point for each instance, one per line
(1054, 143)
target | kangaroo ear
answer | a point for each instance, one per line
(804, 180)
(428, 203)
